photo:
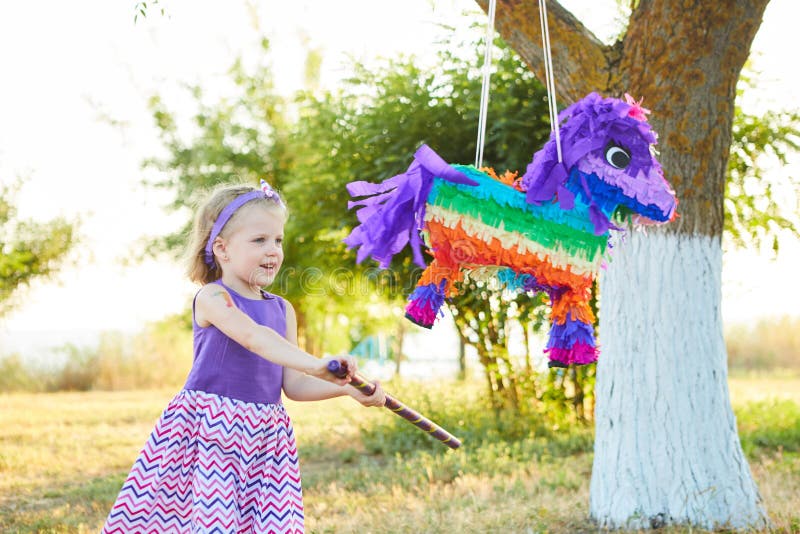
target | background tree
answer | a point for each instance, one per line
(756, 211)
(666, 447)
(28, 250)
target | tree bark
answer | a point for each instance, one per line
(666, 445)
(397, 349)
(666, 450)
(581, 62)
(462, 357)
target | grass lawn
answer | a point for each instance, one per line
(64, 456)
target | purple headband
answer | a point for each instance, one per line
(228, 211)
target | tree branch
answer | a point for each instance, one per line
(581, 62)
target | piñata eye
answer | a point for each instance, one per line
(617, 157)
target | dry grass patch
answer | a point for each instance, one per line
(64, 456)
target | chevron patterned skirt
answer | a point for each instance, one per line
(213, 464)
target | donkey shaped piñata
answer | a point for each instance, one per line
(547, 231)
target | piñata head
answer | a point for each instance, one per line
(547, 231)
(608, 161)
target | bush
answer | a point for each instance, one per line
(398, 455)
(159, 356)
(16, 376)
(769, 426)
(462, 409)
(79, 372)
(768, 345)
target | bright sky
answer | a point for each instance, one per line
(65, 66)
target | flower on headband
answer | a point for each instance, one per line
(268, 191)
(637, 111)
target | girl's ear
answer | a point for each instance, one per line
(219, 250)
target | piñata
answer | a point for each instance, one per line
(546, 231)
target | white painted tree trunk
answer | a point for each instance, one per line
(666, 449)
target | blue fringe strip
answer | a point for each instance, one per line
(512, 280)
(608, 197)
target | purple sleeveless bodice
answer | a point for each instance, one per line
(224, 367)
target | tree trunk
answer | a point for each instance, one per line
(462, 357)
(306, 339)
(397, 348)
(526, 340)
(666, 449)
(666, 445)
(302, 330)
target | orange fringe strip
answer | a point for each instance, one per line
(509, 178)
(448, 260)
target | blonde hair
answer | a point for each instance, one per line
(207, 213)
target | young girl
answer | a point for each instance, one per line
(222, 457)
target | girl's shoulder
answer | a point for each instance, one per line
(216, 294)
(212, 292)
(209, 297)
(287, 306)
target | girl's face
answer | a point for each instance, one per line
(253, 251)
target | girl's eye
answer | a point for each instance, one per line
(279, 241)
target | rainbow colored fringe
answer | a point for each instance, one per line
(548, 249)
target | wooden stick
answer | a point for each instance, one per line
(339, 369)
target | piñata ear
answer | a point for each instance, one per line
(544, 175)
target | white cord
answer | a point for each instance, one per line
(487, 65)
(548, 73)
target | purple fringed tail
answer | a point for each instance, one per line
(571, 342)
(425, 303)
(393, 211)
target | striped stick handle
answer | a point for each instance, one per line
(415, 418)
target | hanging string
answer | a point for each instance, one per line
(548, 73)
(487, 65)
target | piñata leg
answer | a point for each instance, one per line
(571, 339)
(426, 301)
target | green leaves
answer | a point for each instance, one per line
(140, 9)
(759, 204)
(28, 250)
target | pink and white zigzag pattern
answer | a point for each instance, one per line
(213, 465)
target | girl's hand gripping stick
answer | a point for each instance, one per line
(339, 369)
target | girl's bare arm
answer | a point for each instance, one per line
(215, 306)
